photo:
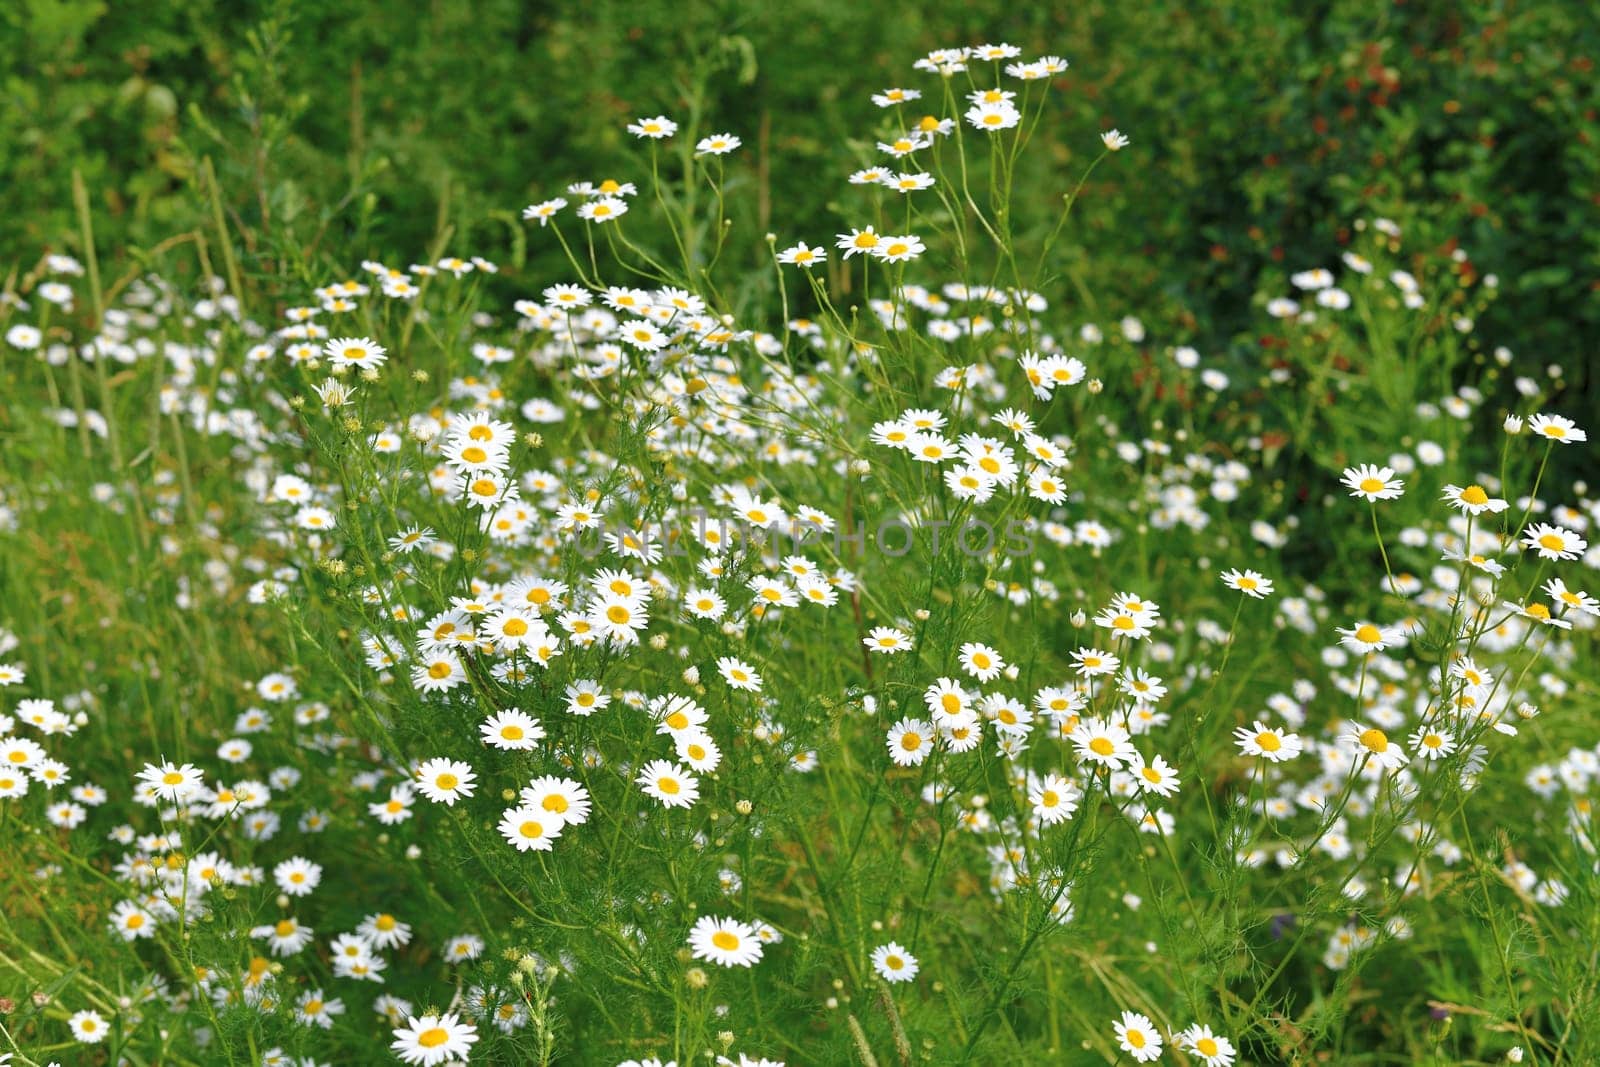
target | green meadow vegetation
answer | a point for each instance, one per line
(696, 534)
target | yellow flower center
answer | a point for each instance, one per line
(1375, 740)
(433, 1037)
(1267, 741)
(447, 781)
(1474, 495)
(1368, 634)
(1102, 746)
(725, 941)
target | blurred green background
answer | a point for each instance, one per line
(1262, 129)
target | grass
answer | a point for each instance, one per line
(291, 537)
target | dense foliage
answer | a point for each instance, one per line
(1266, 127)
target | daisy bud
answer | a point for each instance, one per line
(1513, 424)
(1514, 1055)
(691, 675)
(658, 641)
(283, 901)
(743, 807)
(1527, 711)
(413, 852)
(861, 468)
(1095, 386)
(1079, 618)
(696, 978)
